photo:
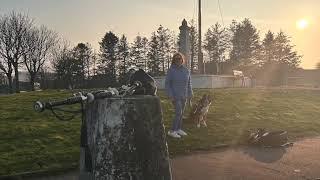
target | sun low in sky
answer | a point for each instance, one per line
(302, 24)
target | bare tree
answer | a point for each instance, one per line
(38, 45)
(13, 30)
(62, 63)
(5, 50)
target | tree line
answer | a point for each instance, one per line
(115, 57)
(239, 47)
(25, 46)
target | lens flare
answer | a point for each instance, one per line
(302, 24)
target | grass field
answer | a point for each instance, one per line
(30, 141)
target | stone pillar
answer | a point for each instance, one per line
(184, 42)
(127, 140)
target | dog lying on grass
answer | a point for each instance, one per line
(199, 111)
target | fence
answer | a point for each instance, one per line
(198, 81)
(211, 81)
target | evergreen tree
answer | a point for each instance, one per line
(139, 52)
(161, 32)
(123, 55)
(245, 44)
(268, 48)
(68, 69)
(144, 52)
(82, 53)
(169, 49)
(216, 43)
(108, 56)
(165, 44)
(153, 54)
(284, 52)
(193, 47)
(163, 47)
(278, 59)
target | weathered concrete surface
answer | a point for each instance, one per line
(127, 139)
(299, 162)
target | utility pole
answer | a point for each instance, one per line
(200, 55)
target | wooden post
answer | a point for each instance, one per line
(127, 140)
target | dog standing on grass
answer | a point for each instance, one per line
(199, 111)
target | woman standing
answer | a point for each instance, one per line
(179, 90)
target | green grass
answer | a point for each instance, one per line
(30, 141)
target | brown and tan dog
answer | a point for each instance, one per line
(199, 111)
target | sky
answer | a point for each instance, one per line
(88, 20)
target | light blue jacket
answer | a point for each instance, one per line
(178, 82)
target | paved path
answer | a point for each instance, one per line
(299, 162)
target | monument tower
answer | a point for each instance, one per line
(184, 42)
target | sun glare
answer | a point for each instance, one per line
(302, 24)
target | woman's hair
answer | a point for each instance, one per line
(177, 57)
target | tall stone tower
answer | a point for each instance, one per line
(184, 42)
